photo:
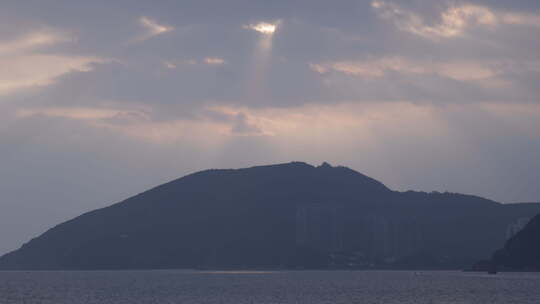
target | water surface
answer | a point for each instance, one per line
(265, 287)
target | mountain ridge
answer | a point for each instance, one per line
(285, 215)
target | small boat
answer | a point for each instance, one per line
(492, 268)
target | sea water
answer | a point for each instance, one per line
(265, 287)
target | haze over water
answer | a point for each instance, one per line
(261, 287)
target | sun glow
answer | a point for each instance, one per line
(263, 28)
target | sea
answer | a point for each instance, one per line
(267, 287)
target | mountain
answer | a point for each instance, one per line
(522, 251)
(290, 215)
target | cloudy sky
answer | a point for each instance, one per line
(100, 100)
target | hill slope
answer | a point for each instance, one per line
(522, 252)
(287, 215)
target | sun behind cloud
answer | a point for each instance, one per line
(262, 27)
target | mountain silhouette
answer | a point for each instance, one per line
(290, 215)
(522, 251)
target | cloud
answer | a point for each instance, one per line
(153, 28)
(21, 72)
(142, 122)
(243, 127)
(480, 73)
(371, 68)
(485, 75)
(308, 122)
(133, 121)
(170, 65)
(242, 121)
(521, 19)
(79, 113)
(214, 60)
(24, 66)
(33, 40)
(454, 22)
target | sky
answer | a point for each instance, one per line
(101, 100)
